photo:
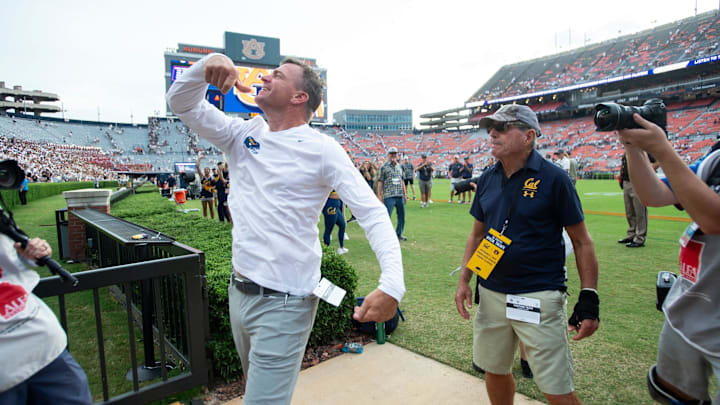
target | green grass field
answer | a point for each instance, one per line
(610, 366)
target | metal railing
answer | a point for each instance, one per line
(163, 290)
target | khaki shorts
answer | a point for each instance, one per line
(425, 186)
(495, 340)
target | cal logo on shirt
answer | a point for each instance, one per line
(252, 144)
(530, 187)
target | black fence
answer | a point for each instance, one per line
(161, 285)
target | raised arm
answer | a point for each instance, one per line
(186, 98)
(700, 202)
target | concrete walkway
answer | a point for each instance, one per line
(388, 374)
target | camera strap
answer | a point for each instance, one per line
(493, 246)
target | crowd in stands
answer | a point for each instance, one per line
(75, 151)
(683, 40)
(692, 128)
(153, 147)
(48, 162)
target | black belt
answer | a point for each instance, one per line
(250, 287)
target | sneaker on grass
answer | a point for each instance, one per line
(342, 251)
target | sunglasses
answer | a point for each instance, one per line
(502, 126)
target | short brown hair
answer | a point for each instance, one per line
(311, 84)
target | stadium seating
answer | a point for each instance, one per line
(692, 125)
(667, 44)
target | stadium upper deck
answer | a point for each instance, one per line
(686, 39)
(677, 61)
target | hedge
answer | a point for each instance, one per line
(214, 238)
(42, 190)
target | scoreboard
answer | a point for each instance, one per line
(250, 73)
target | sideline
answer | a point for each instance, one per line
(387, 375)
(622, 214)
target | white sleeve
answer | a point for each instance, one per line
(371, 215)
(186, 98)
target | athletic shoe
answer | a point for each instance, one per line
(461, 202)
(450, 201)
(402, 238)
(424, 205)
(413, 198)
(342, 251)
(430, 201)
(346, 237)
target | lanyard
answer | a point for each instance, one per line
(514, 201)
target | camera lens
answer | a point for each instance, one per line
(606, 117)
(11, 175)
(5, 177)
(612, 117)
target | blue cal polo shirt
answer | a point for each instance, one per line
(546, 202)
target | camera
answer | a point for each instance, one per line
(464, 185)
(665, 281)
(11, 175)
(612, 116)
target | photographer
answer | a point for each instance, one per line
(689, 346)
(36, 365)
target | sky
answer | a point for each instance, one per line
(427, 56)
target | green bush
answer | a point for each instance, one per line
(214, 238)
(42, 190)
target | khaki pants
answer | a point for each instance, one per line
(636, 214)
(270, 334)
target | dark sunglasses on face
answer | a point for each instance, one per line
(502, 126)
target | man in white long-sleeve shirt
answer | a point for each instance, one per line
(276, 249)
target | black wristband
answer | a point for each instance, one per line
(587, 307)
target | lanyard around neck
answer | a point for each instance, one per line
(516, 195)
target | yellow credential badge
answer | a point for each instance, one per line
(488, 254)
